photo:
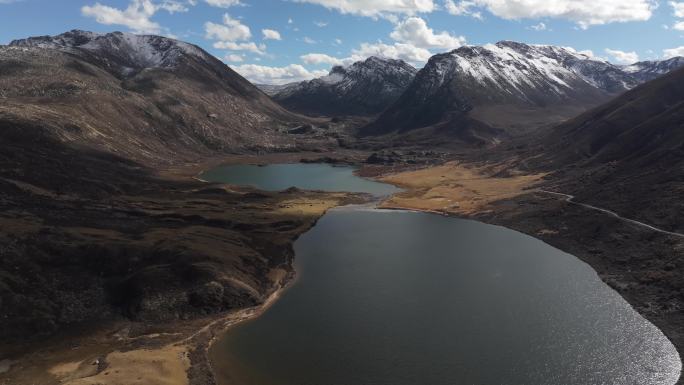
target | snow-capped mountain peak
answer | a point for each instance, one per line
(514, 69)
(509, 85)
(649, 70)
(128, 51)
(364, 87)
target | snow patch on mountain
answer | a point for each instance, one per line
(364, 87)
(132, 52)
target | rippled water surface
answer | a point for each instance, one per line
(393, 298)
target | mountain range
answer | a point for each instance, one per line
(137, 96)
(363, 88)
(100, 135)
(510, 88)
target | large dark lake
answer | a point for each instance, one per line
(393, 298)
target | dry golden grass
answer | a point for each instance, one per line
(455, 188)
(165, 366)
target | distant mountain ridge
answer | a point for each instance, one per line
(125, 52)
(363, 88)
(648, 70)
(141, 96)
(508, 85)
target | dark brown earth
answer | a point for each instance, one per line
(93, 244)
(108, 244)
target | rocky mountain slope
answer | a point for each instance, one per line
(143, 97)
(509, 86)
(363, 88)
(626, 155)
(648, 70)
(91, 230)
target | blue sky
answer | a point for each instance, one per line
(280, 41)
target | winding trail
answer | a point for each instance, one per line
(569, 198)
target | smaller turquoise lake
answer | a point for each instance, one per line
(278, 177)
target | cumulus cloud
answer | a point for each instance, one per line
(678, 11)
(678, 8)
(376, 8)
(623, 57)
(230, 30)
(413, 42)
(414, 31)
(271, 34)
(235, 58)
(673, 52)
(232, 35)
(223, 3)
(259, 49)
(277, 75)
(406, 52)
(321, 58)
(462, 8)
(539, 27)
(136, 16)
(583, 12)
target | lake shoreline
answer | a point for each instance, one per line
(562, 225)
(528, 213)
(545, 235)
(171, 350)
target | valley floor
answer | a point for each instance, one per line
(237, 236)
(642, 265)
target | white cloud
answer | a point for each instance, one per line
(136, 16)
(338, 41)
(309, 40)
(678, 8)
(583, 12)
(587, 52)
(223, 3)
(413, 42)
(673, 52)
(173, 6)
(277, 75)
(235, 58)
(289, 21)
(232, 35)
(246, 46)
(376, 8)
(678, 11)
(414, 31)
(406, 52)
(462, 8)
(321, 24)
(539, 27)
(623, 57)
(230, 30)
(321, 58)
(271, 34)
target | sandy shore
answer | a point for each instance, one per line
(177, 353)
